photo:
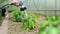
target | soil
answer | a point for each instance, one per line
(4, 25)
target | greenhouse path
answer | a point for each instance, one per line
(4, 26)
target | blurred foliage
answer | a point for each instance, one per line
(28, 21)
(52, 30)
(50, 26)
(3, 1)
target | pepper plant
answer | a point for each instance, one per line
(50, 26)
(29, 21)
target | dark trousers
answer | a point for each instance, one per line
(3, 11)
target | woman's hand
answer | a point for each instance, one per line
(15, 2)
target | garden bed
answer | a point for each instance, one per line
(32, 23)
(16, 27)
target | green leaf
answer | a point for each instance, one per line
(48, 17)
(53, 18)
(43, 24)
(42, 32)
(18, 19)
(54, 23)
(52, 30)
(24, 27)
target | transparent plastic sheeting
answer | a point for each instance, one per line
(46, 7)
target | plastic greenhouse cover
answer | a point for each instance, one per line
(48, 7)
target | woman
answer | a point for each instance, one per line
(15, 2)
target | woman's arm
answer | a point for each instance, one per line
(15, 2)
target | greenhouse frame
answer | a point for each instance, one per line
(48, 7)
